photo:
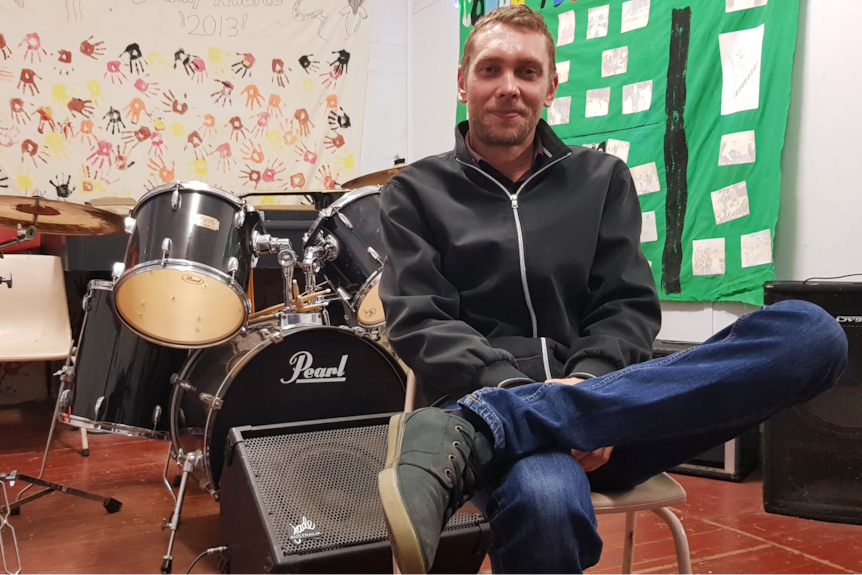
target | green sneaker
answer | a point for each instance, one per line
(434, 464)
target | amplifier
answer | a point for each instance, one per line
(732, 461)
(302, 498)
(812, 453)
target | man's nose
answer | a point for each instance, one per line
(508, 87)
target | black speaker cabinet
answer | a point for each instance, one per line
(302, 498)
(731, 461)
(812, 454)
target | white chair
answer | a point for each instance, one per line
(656, 494)
(34, 316)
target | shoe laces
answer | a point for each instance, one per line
(472, 476)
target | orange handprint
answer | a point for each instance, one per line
(253, 97)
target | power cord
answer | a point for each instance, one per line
(207, 552)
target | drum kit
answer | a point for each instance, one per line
(171, 348)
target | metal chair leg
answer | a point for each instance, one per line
(629, 545)
(680, 539)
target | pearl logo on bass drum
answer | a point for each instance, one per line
(305, 372)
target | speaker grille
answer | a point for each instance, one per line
(812, 461)
(319, 489)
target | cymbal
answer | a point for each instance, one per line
(57, 217)
(372, 179)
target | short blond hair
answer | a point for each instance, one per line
(519, 16)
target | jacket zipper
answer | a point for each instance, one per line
(523, 260)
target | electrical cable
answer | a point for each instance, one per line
(209, 551)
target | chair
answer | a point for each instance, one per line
(34, 315)
(656, 494)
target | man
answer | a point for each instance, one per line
(515, 259)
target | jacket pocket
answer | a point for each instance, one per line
(534, 357)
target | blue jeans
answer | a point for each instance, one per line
(656, 414)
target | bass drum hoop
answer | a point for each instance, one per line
(116, 428)
(224, 386)
(185, 266)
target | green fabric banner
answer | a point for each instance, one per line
(693, 95)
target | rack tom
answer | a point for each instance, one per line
(187, 265)
(352, 224)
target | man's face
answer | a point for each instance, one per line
(509, 79)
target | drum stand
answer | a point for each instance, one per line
(189, 462)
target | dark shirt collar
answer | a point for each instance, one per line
(540, 156)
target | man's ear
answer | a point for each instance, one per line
(552, 91)
(462, 87)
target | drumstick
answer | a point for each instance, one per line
(299, 301)
(265, 311)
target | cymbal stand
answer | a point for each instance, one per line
(24, 235)
(110, 504)
(66, 374)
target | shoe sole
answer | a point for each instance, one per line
(402, 536)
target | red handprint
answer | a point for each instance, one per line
(79, 106)
(92, 50)
(261, 124)
(303, 121)
(324, 174)
(238, 129)
(271, 174)
(27, 81)
(278, 75)
(117, 75)
(251, 176)
(306, 154)
(33, 48)
(244, 66)
(102, 154)
(5, 51)
(19, 114)
(46, 116)
(31, 149)
(334, 142)
(297, 181)
(225, 157)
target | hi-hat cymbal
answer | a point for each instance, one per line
(56, 217)
(372, 179)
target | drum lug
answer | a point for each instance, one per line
(130, 224)
(98, 408)
(238, 219)
(373, 253)
(214, 402)
(66, 399)
(66, 373)
(342, 293)
(330, 248)
(85, 303)
(157, 416)
(184, 385)
(345, 219)
(166, 250)
(118, 270)
(232, 266)
(176, 200)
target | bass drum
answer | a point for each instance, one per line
(268, 374)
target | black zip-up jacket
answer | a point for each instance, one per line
(491, 283)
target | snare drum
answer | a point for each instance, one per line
(187, 265)
(272, 374)
(121, 382)
(352, 224)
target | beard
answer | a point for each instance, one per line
(493, 131)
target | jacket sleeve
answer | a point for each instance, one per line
(623, 315)
(422, 307)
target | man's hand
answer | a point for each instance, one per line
(567, 381)
(592, 460)
(589, 460)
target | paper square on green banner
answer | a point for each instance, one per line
(756, 249)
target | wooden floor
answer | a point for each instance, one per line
(727, 528)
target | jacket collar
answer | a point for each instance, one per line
(553, 147)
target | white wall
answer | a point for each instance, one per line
(820, 222)
(385, 131)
